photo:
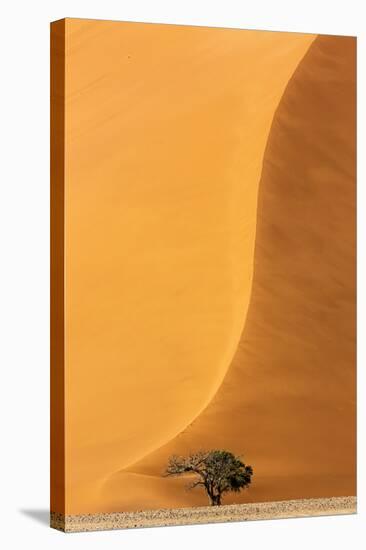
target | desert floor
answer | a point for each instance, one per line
(208, 514)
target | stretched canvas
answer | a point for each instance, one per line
(202, 274)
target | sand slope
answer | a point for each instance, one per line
(165, 133)
(288, 400)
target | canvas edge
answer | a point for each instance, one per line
(57, 265)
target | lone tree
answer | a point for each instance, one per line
(218, 472)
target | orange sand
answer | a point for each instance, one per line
(166, 131)
(288, 401)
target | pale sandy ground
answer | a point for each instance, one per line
(209, 514)
(166, 129)
(288, 400)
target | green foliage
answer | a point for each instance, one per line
(217, 471)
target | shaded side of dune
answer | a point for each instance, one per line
(288, 400)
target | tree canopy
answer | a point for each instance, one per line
(217, 471)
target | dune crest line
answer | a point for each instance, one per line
(207, 405)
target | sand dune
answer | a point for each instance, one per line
(288, 400)
(165, 134)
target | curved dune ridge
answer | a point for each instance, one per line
(165, 133)
(288, 399)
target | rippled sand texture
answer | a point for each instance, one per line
(170, 132)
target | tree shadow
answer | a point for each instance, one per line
(37, 514)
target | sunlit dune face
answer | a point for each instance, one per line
(166, 128)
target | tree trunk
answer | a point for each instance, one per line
(215, 500)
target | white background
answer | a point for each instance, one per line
(24, 271)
